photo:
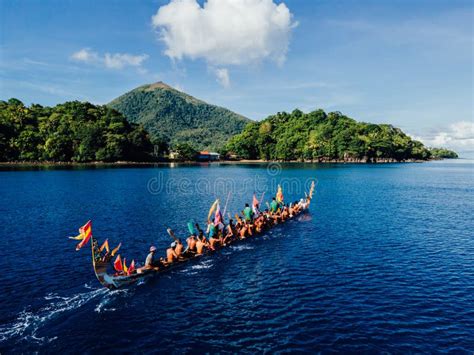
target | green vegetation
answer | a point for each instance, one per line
(175, 117)
(186, 152)
(440, 153)
(319, 136)
(83, 132)
(70, 132)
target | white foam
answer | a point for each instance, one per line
(27, 323)
(242, 247)
(206, 264)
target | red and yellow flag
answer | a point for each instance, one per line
(131, 268)
(85, 234)
(116, 249)
(118, 264)
(279, 195)
(125, 268)
(105, 246)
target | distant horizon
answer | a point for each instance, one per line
(405, 64)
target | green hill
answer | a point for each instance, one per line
(175, 117)
(318, 136)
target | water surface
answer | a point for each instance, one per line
(384, 262)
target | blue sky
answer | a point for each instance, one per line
(409, 63)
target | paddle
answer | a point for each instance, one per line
(171, 234)
(225, 207)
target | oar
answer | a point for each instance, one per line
(171, 234)
(226, 201)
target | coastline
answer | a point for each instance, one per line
(25, 164)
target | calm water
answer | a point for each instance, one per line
(384, 262)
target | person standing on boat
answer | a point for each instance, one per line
(273, 205)
(248, 213)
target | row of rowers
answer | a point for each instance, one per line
(218, 235)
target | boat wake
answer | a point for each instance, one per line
(205, 264)
(241, 247)
(27, 323)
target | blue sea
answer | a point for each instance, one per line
(382, 263)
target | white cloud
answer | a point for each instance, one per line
(85, 55)
(225, 32)
(222, 76)
(458, 136)
(109, 60)
(118, 60)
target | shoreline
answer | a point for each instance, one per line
(243, 161)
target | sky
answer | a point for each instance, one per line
(404, 62)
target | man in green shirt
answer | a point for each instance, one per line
(274, 206)
(248, 213)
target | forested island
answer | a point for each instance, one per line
(70, 132)
(80, 132)
(321, 136)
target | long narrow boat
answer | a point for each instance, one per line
(112, 281)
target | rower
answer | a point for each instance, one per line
(191, 244)
(201, 244)
(171, 255)
(230, 232)
(150, 259)
(179, 249)
(248, 213)
(213, 241)
(211, 229)
(243, 231)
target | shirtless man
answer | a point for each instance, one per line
(243, 231)
(213, 242)
(179, 249)
(201, 243)
(171, 255)
(259, 224)
(191, 244)
(230, 232)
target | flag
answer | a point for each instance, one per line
(105, 246)
(125, 268)
(211, 210)
(131, 267)
(78, 237)
(118, 264)
(86, 233)
(116, 249)
(279, 195)
(254, 204)
(218, 215)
